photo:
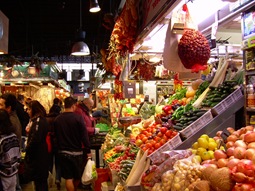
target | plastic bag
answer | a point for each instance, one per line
(89, 174)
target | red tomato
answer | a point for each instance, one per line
(159, 134)
(168, 133)
(144, 139)
(149, 145)
(162, 141)
(157, 139)
(165, 138)
(163, 130)
(150, 151)
(157, 145)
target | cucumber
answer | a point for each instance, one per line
(178, 127)
(199, 114)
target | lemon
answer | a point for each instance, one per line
(211, 153)
(212, 145)
(205, 156)
(203, 142)
(200, 151)
(195, 145)
(205, 136)
(197, 159)
(211, 140)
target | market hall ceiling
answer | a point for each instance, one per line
(48, 27)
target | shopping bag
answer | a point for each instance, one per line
(89, 173)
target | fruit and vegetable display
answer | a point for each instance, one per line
(144, 153)
(217, 94)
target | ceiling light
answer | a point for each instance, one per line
(80, 48)
(94, 6)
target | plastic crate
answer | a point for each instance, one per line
(227, 102)
(170, 145)
(196, 125)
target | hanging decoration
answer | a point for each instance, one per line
(122, 39)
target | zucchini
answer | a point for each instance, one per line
(179, 124)
(199, 114)
(217, 99)
(213, 104)
(178, 127)
(194, 118)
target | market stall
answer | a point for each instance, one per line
(196, 128)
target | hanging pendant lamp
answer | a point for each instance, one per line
(94, 6)
(80, 48)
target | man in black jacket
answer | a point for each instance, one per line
(71, 139)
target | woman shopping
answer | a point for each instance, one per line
(37, 157)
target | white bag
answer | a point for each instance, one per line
(89, 173)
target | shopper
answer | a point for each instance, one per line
(22, 114)
(55, 110)
(71, 136)
(56, 107)
(36, 158)
(8, 102)
(84, 109)
(9, 153)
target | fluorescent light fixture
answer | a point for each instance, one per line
(206, 8)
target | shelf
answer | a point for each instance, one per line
(250, 72)
(248, 109)
(219, 122)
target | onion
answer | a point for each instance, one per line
(230, 151)
(222, 162)
(237, 133)
(240, 143)
(232, 163)
(249, 128)
(218, 154)
(239, 177)
(230, 130)
(230, 144)
(239, 152)
(249, 153)
(232, 138)
(249, 137)
(251, 145)
(218, 133)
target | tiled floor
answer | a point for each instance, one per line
(52, 187)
